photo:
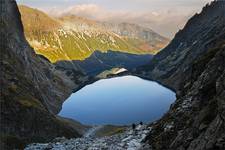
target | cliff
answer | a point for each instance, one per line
(193, 64)
(32, 90)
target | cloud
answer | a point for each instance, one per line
(86, 10)
(166, 22)
(83, 10)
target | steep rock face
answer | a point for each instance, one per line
(193, 64)
(202, 32)
(32, 90)
(196, 119)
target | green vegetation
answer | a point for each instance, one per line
(80, 128)
(63, 39)
(32, 102)
(110, 130)
(36, 22)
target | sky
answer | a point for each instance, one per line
(164, 16)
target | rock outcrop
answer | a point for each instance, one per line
(193, 64)
(32, 90)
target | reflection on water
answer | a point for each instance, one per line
(121, 100)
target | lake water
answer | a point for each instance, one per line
(118, 101)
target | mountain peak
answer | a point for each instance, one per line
(36, 20)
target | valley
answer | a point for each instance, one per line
(99, 62)
(44, 59)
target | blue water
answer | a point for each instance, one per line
(118, 101)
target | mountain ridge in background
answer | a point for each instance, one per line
(71, 37)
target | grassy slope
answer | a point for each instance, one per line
(109, 130)
(51, 38)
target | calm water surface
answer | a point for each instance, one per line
(121, 100)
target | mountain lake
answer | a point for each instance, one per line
(118, 101)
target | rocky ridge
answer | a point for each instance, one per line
(193, 64)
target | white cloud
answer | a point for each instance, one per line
(167, 21)
(85, 9)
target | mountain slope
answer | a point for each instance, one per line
(152, 40)
(101, 61)
(75, 38)
(193, 64)
(32, 90)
